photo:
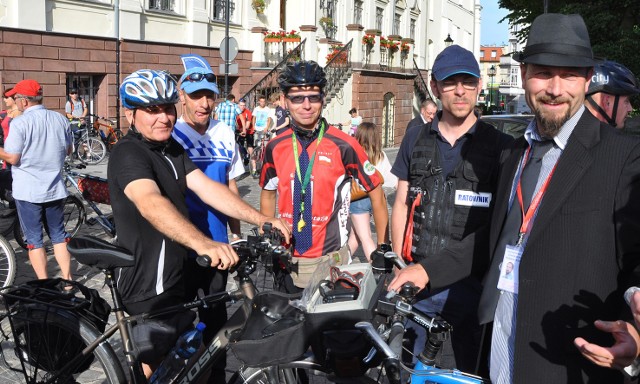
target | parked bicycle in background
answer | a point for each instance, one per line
(105, 128)
(87, 147)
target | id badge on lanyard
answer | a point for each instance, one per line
(510, 266)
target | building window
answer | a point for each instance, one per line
(357, 14)
(162, 5)
(514, 76)
(379, 14)
(494, 54)
(412, 29)
(396, 24)
(219, 7)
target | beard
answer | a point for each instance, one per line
(548, 124)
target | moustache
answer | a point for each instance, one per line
(552, 100)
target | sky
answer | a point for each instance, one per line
(492, 33)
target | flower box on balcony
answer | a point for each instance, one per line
(291, 39)
(272, 39)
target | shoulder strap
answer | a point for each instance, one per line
(423, 156)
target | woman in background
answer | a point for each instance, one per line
(371, 141)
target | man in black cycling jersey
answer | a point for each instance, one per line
(149, 173)
(612, 85)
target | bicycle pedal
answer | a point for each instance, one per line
(91, 221)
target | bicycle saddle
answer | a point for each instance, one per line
(95, 252)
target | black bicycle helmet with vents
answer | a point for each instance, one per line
(300, 74)
(613, 78)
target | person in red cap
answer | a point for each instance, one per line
(36, 146)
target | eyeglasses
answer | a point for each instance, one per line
(210, 77)
(158, 109)
(450, 85)
(317, 98)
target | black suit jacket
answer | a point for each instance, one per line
(416, 121)
(582, 253)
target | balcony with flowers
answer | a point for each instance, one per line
(279, 43)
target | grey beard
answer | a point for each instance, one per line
(549, 128)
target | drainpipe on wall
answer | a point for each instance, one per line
(116, 21)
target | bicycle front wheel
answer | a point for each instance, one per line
(91, 150)
(258, 156)
(74, 217)
(7, 263)
(42, 343)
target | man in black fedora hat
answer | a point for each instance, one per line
(566, 216)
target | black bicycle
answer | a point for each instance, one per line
(51, 336)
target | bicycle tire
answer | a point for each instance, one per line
(91, 150)
(47, 340)
(74, 216)
(258, 156)
(7, 263)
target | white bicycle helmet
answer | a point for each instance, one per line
(148, 87)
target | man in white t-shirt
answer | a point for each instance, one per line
(263, 120)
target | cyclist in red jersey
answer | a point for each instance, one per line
(308, 168)
(244, 131)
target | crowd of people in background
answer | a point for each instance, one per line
(525, 246)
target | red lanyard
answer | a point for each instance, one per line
(535, 201)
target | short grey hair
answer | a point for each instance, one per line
(30, 99)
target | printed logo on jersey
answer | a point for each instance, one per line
(369, 169)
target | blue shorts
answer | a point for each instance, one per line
(31, 220)
(361, 206)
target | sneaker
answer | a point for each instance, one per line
(255, 175)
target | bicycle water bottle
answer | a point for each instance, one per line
(177, 359)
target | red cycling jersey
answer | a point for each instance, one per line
(339, 158)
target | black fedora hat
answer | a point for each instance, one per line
(559, 41)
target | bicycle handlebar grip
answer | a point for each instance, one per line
(203, 261)
(395, 343)
(267, 227)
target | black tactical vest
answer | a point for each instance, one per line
(438, 221)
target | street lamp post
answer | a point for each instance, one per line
(492, 73)
(448, 41)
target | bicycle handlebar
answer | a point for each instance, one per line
(254, 249)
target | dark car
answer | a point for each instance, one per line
(514, 125)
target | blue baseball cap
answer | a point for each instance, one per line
(454, 60)
(191, 86)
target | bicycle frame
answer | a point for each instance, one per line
(90, 252)
(101, 219)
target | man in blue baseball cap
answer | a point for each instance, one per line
(447, 171)
(211, 145)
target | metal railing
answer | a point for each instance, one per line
(419, 84)
(268, 85)
(338, 70)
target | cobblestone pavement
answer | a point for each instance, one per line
(249, 190)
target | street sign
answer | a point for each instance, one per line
(233, 49)
(233, 69)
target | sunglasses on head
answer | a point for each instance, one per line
(210, 77)
(300, 99)
(73, 93)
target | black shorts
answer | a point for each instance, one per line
(248, 139)
(154, 338)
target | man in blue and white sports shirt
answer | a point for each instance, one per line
(211, 145)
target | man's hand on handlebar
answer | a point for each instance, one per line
(281, 225)
(414, 273)
(222, 255)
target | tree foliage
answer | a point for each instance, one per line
(614, 25)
